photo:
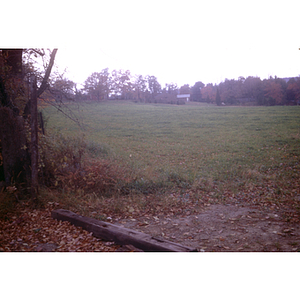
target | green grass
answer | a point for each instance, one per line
(225, 146)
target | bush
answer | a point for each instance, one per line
(180, 102)
(60, 155)
(98, 177)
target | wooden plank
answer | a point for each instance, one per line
(120, 235)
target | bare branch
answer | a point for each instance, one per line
(47, 74)
(69, 114)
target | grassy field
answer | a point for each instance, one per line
(193, 146)
(220, 143)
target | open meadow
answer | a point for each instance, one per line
(210, 148)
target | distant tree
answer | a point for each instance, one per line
(121, 84)
(97, 85)
(241, 79)
(252, 89)
(293, 91)
(209, 93)
(106, 82)
(195, 90)
(61, 89)
(283, 85)
(171, 88)
(185, 89)
(154, 86)
(127, 87)
(139, 87)
(230, 91)
(273, 92)
(218, 98)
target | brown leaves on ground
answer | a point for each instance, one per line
(35, 230)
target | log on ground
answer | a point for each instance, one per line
(119, 235)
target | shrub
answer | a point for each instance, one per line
(60, 155)
(98, 177)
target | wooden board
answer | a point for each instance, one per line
(120, 235)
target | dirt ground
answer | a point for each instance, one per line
(235, 228)
(214, 228)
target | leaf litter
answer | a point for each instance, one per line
(215, 227)
(35, 231)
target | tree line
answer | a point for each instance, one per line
(254, 91)
(122, 85)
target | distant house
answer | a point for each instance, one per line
(185, 97)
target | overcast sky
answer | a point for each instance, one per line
(176, 41)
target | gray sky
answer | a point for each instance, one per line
(176, 41)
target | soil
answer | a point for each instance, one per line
(219, 227)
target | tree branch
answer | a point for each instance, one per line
(43, 86)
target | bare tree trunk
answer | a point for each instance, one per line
(34, 137)
(14, 150)
(13, 143)
(15, 156)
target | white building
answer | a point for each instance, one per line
(186, 97)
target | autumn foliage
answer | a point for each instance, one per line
(123, 85)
